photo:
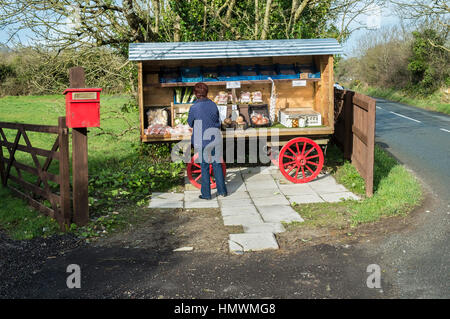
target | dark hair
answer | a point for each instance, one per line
(200, 90)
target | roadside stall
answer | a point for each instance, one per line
(283, 84)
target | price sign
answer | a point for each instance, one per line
(234, 85)
(299, 83)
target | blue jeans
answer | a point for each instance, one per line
(206, 177)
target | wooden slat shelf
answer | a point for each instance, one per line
(222, 83)
(251, 132)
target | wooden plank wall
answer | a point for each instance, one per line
(355, 131)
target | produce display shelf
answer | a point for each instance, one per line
(253, 132)
(222, 83)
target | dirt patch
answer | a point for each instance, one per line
(169, 229)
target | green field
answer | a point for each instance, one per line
(121, 170)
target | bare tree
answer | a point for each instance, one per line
(347, 14)
(78, 22)
(431, 12)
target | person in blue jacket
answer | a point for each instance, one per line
(207, 140)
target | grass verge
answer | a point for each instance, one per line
(434, 102)
(396, 192)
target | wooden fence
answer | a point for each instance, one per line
(33, 192)
(355, 131)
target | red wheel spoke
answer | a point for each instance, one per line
(304, 147)
(298, 149)
(314, 156)
(292, 167)
(288, 163)
(309, 162)
(196, 165)
(291, 157)
(292, 151)
(197, 171)
(198, 177)
(309, 169)
(312, 149)
(296, 173)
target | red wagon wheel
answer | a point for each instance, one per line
(195, 173)
(300, 160)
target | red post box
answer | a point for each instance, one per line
(82, 107)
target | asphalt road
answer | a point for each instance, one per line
(421, 140)
(414, 260)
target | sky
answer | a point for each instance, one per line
(380, 18)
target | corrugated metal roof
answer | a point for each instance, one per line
(231, 49)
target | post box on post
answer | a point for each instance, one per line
(82, 111)
(82, 107)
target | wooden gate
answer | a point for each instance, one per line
(355, 131)
(34, 191)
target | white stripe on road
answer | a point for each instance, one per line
(380, 108)
(406, 117)
(443, 129)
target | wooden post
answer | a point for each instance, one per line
(2, 166)
(64, 185)
(79, 159)
(348, 123)
(371, 118)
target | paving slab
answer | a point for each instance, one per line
(252, 242)
(271, 200)
(236, 202)
(171, 196)
(265, 228)
(236, 187)
(295, 189)
(337, 197)
(201, 203)
(244, 220)
(326, 187)
(279, 214)
(235, 195)
(257, 177)
(305, 199)
(262, 193)
(263, 184)
(246, 210)
(165, 203)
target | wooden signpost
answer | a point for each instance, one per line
(79, 159)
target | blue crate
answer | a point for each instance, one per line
(249, 68)
(170, 75)
(169, 79)
(193, 74)
(267, 71)
(207, 71)
(315, 75)
(283, 70)
(225, 73)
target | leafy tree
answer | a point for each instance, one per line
(429, 64)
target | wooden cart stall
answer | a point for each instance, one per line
(291, 80)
